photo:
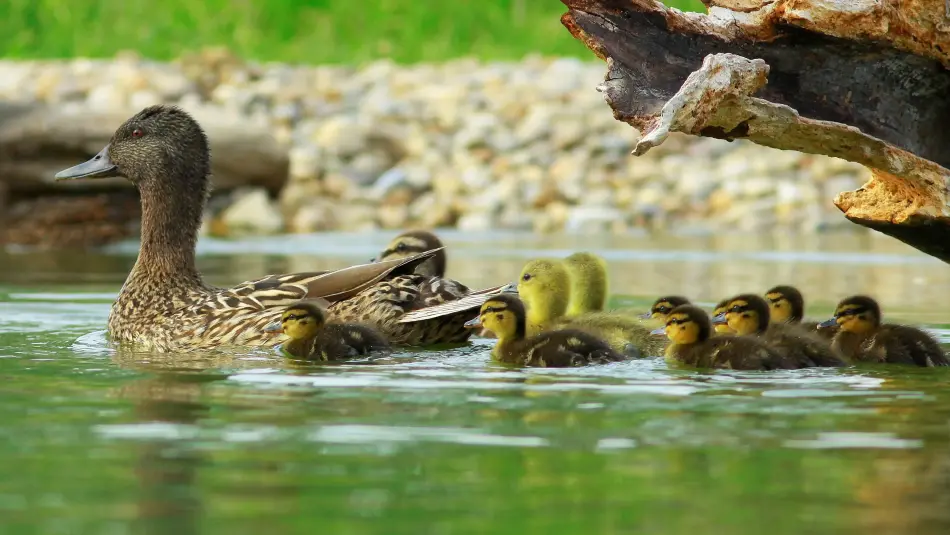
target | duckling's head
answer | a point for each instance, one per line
(857, 314)
(589, 283)
(687, 324)
(721, 328)
(663, 306)
(300, 321)
(786, 304)
(745, 314)
(414, 242)
(161, 148)
(544, 285)
(504, 315)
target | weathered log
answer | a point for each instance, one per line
(860, 80)
(36, 141)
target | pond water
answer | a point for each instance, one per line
(95, 440)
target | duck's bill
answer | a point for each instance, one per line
(828, 323)
(645, 316)
(719, 319)
(473, 323)
(273, 327)
(100, 166)
(510, 288)
(658, 332)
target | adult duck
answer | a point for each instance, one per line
(165, 305)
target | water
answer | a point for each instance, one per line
(99, 441)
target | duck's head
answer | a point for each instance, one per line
(588, 281)
(544, 286)
(415, 242)
(786, 304)
(721, 328)
(687, 324)
(745, 314)
(662, 307)
(857, 314)
(161, 148)
(300, 321)
(503, 315)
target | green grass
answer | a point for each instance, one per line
(298, 31)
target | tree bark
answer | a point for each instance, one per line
(862, 80)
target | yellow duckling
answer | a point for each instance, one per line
(862, 337)
(590, 285)
(692, 344)
(748, 315)
(721, 328)
(311, 337)
(788, 306)
(505, 316)
(662, 307)
(544, 286)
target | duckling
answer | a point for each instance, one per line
(862, 337)
(311, 337)
(748, 315)
(589, 284)
(721, 328)
(544, 286)
(165, 305)
(413, 242)
(662, 307)
(691, 344)
(788, 306)
(505, 316)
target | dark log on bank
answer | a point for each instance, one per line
(859, 80)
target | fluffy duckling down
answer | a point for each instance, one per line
(787, 305)
(661, 308)
(312, 338)
(863, 337)
(505, 316)
(545, 287)
(692, 344)
(748, 315)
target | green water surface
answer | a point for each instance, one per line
(96, 440)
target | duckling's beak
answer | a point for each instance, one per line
(100, 166)
(274, 327)
(659, 332)
(719, 319)
(645, 315)
(828, 323)
(473, 323)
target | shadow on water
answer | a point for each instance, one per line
(97, 440)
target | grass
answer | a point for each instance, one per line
(296, 31)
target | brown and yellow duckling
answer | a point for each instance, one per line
(505, 316)
(545, 288)
(692, 344)
(721, 327)
(312, 338)
(863, 338)
(787, 305)
(748, 315)
(165, 305)
(413, 242)
(662, 307)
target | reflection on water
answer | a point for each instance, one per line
(96, 440)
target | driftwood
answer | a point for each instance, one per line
(36, 141)
(862, 80)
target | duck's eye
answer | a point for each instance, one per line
(401, 247)
(526, 277)
(663, 310)
(137, 133)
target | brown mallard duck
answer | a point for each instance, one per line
(862, 337)
(413, 242)
(787, 305)
(748, 315)
(692, 344)
(505, 316)
(312, 338)
(165, 305)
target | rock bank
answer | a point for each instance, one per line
(466, 144)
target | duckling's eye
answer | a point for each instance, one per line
(401, 247)
(663, 310)
(137, 133)
(526, 277)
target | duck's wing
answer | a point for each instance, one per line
(471, 301)
(324, 286)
